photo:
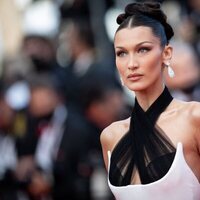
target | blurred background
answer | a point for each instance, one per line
(59, 89)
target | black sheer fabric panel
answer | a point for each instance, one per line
(145, 149)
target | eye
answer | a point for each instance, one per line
(120, 53)
(143, 50)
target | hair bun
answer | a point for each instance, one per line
(150, 9)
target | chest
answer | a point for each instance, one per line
(179, 129)
(178, 183)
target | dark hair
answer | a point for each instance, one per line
(147, 14)
(84, 30)
(97, 83)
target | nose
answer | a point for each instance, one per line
(132, 63)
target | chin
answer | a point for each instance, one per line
(137, 87)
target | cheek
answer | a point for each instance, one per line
(120, 67)
(153, 63)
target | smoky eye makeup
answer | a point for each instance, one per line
(143, 49)
(120, 53)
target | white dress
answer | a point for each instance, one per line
(179, 183)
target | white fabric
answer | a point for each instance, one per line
(8, 157)
(179, 183)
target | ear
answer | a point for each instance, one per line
(167, 54)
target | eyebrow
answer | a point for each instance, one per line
(136, 44)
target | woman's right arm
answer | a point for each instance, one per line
(111, 135)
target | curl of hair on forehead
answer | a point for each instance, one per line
(146, 14)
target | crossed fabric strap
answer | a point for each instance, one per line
(144, 149)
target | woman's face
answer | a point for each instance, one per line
(139, 57)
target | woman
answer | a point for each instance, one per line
(154, 154)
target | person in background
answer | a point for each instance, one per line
(53, 154)
(80, 53)
(103, 102)
(8, 182)
(185, 85)
(153, 154)
(45, 118)
(11, 186)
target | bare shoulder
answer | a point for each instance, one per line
(194, 114)
(195, 110)
(113, 133)
(190, 112)
(191, 109)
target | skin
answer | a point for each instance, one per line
(139, 52)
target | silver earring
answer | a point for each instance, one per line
(170, 71)
(122, 82)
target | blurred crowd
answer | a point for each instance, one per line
(59, 89)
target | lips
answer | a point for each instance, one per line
(134, 77)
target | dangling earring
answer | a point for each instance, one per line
(122, 82)
(170, 71)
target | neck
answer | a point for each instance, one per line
(146, 97)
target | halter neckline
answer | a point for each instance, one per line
(142, 145)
